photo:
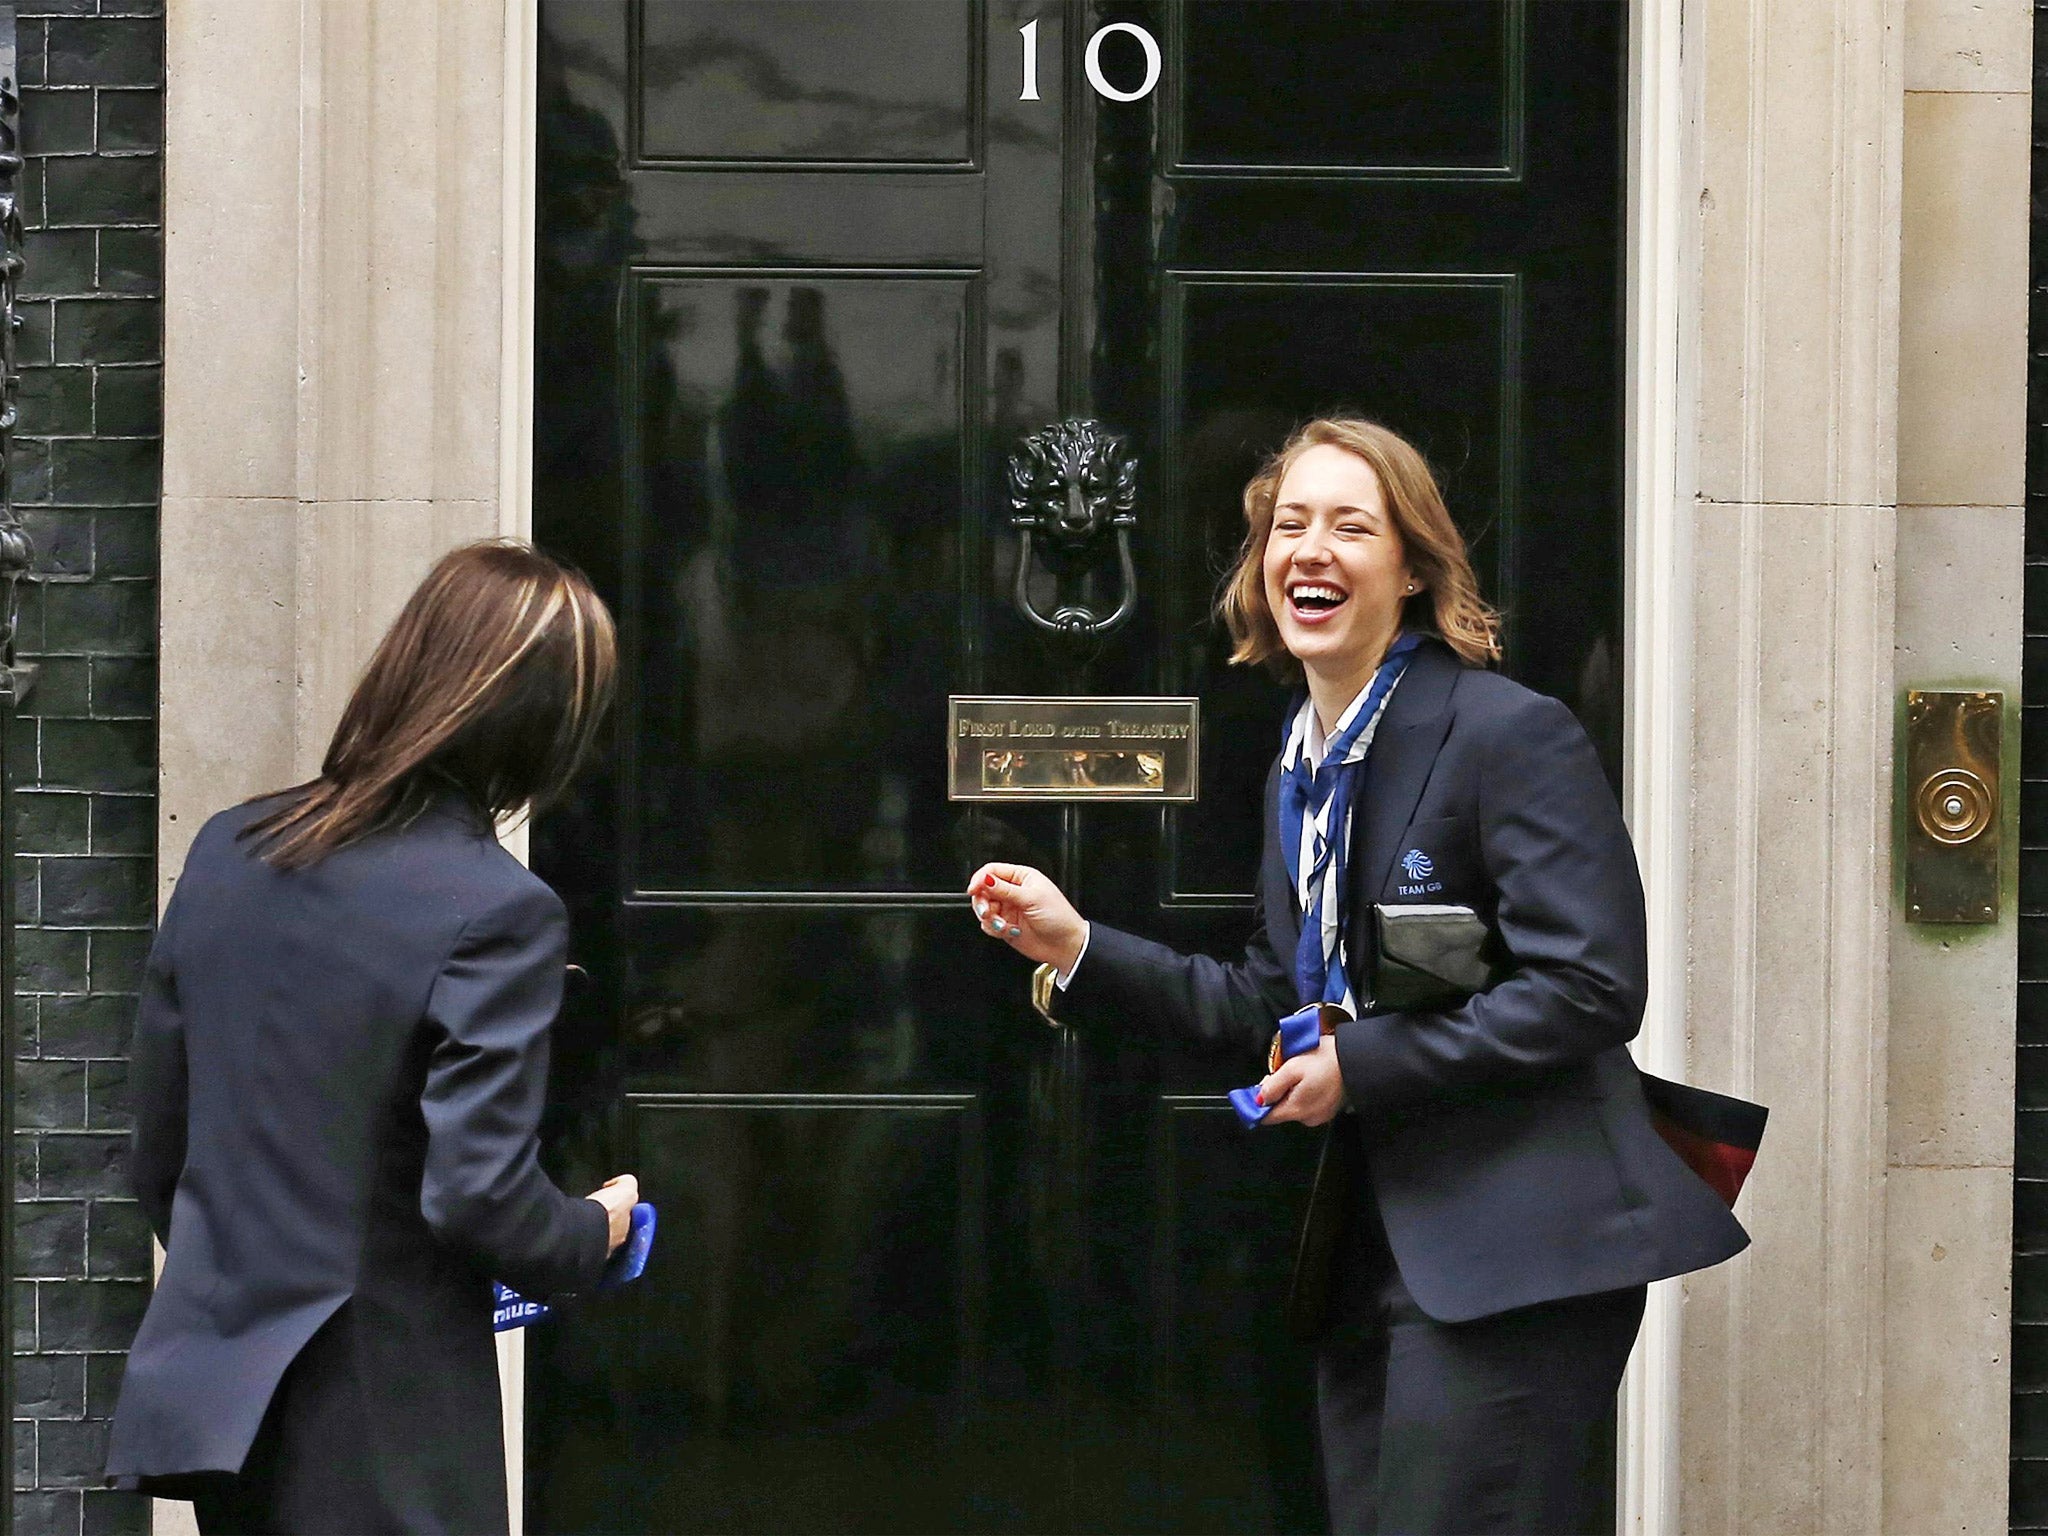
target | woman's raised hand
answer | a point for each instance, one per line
(1017, 904)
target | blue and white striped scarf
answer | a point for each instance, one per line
(1315, 826)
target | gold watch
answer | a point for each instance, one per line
(1044, 982)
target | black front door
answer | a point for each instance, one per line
(808, 274)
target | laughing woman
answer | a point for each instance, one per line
(1496, 1193)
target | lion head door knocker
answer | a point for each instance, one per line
(1071, 484)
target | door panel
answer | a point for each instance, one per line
(1383, 95)
(884, 82)
(782, 1326)
(807, 276)
(797, 539)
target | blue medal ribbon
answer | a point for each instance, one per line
(1299, 1032)
(510, 1310)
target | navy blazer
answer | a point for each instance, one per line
(1508, 1145)
(338, 1076)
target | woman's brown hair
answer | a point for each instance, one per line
(493, 681)
(1449, 603)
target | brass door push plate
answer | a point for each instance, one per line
(1952, 791)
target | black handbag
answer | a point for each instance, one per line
(1438, 956)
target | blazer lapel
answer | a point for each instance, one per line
(1403, 751)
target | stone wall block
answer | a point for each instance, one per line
(94, 891)
(128, 402)
(1792, 678)
(71, 1453)
(57, 122)
(95, 50)
(1949, 1309)
(49, 1240)
(130, 122)
(46, 960)
(107, 619)
(50, 1512)
(104, 618)
(232, 176)
(123, 687)
(131, 261)
(227, 726)
(49, 1095)
(89, 1027)
(104, 471)
(109, 331)
(108, 1108)
(99, 754)
(31, 472)
(1798, 251)
(101, 190)
(52, 823)
(82, 1166)
(124, 544)
(470, 260)
(59, 261)
(56, 401)
(79, 1316)
(63, 683)
(50, 1386)
(1968, 45)
(63, 545)
(1962, 357)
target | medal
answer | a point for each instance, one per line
(1299, 1032)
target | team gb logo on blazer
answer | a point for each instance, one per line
(1418, 867)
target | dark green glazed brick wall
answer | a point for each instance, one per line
(87, 461)
(2030, 1153)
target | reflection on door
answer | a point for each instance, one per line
(809, 275)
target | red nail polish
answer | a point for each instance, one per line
(1259, 1098)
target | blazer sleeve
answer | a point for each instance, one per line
(1569, 915)
(484, 1192)
(1218, 1002)
(157, 1081)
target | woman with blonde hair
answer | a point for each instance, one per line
(1493, 1197)
(339, 1068)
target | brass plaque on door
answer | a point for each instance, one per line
(1072, 748)
(1952, 794)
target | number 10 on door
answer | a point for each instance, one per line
(1094, 61)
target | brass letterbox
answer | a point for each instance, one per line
(1016, 748)
(1952, 790)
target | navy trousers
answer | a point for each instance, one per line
(1458, 1429)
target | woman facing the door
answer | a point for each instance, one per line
(340, 1060)
(1493, 1197)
